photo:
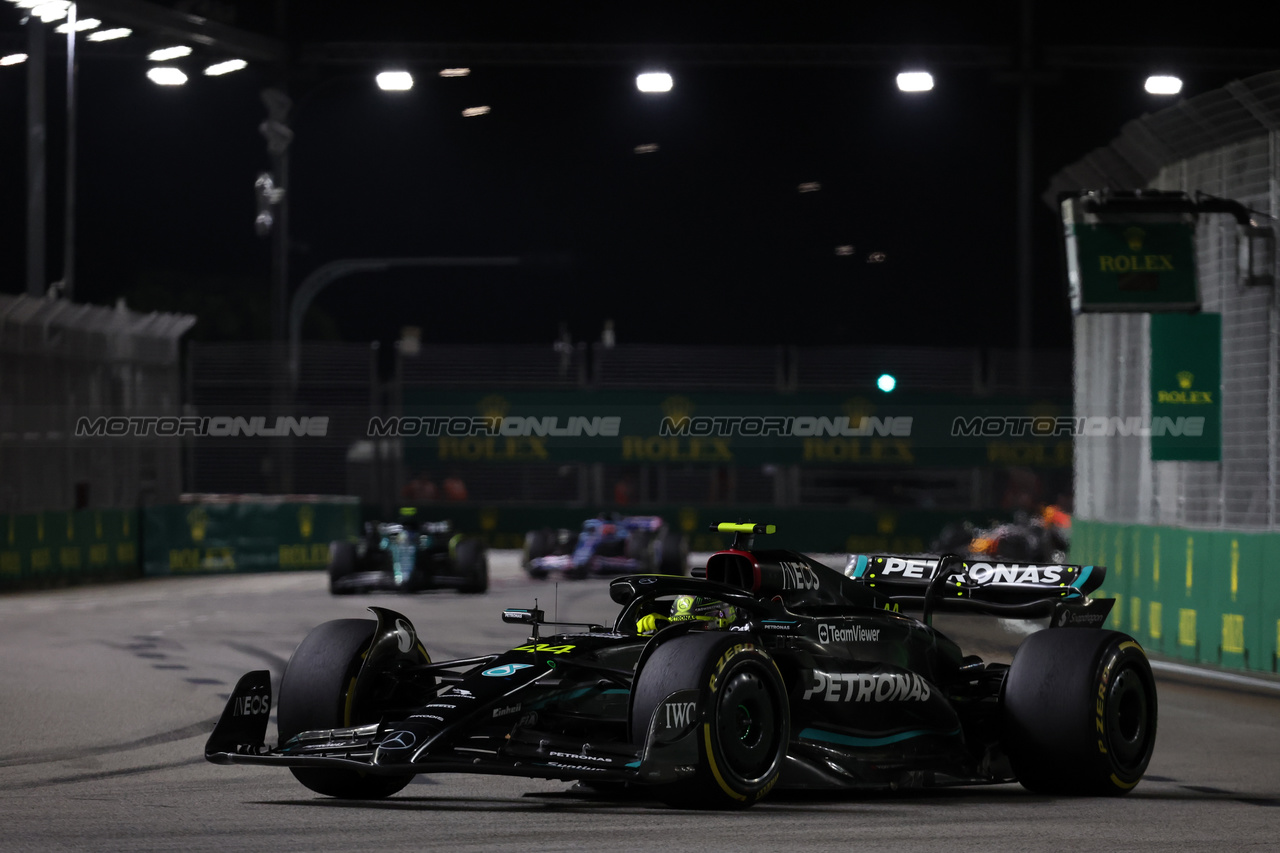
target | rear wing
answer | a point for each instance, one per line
(1013, 588)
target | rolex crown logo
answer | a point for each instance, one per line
(1134, 237)
(858, 408)
(677, 407)
(198, 521)
(1185, 379)
(493, 406)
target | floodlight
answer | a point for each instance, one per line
(108, 35)
(470, 112)
(395, 81)
(654, 81)
(13, 59)
(915, 81)
(164, 54)
(1163, 84)
(166, 75)
(80, 25)
(53, 10)
(220, 68)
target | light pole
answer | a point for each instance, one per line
(36, 135)
(326, 275)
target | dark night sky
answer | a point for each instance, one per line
(667, 243)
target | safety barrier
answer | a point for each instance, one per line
(244, 535)
(46, 549)
(1207, 596)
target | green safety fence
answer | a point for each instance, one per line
(1206, 596)
(810, 529)
(244, 536)
(44, 549)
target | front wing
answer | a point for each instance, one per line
(240, 738)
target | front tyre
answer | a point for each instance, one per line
(342, 563)
(471, 560)
(742, 718)
(1079, 711)
(316, 693)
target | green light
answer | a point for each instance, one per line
(886, 382)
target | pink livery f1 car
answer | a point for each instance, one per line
(609, 545)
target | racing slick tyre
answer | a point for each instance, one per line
(725, 691)
(1017, 547)
(954, 539)
(471, 560)
(313, 695)
(673, 553)
(640, 546)
(537, 543)
(342, 562)
(1079, 712)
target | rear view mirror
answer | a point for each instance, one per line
(522, 616)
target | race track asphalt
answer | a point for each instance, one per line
(109, 693)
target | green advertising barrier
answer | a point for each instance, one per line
(57, 548)
(244, 536)
(810, 530)
(1205, 596)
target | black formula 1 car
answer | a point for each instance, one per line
(408, 557)
(817, 681)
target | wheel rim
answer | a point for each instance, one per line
(746, 725)
(1128, 718)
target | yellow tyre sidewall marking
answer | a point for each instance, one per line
(715, 768)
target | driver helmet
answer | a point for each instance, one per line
(715, 613)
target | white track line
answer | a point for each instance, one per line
(1216, 675)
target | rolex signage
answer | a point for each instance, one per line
(1130, 261)
(1186, 380)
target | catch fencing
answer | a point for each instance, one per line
(61, 361)
(1225, 144)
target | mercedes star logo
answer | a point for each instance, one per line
(399, 740)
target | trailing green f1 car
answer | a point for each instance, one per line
(408, 557)
(805, 678)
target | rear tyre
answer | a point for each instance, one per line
(472, 562)
(314, 695)
(673, 553)
(1016, 547)
(638, 546)
(537, 543)
(725, 691)
(342, 563)
(1079, 712)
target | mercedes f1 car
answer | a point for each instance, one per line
(404, 557)
(816, 680)
(609, 545)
